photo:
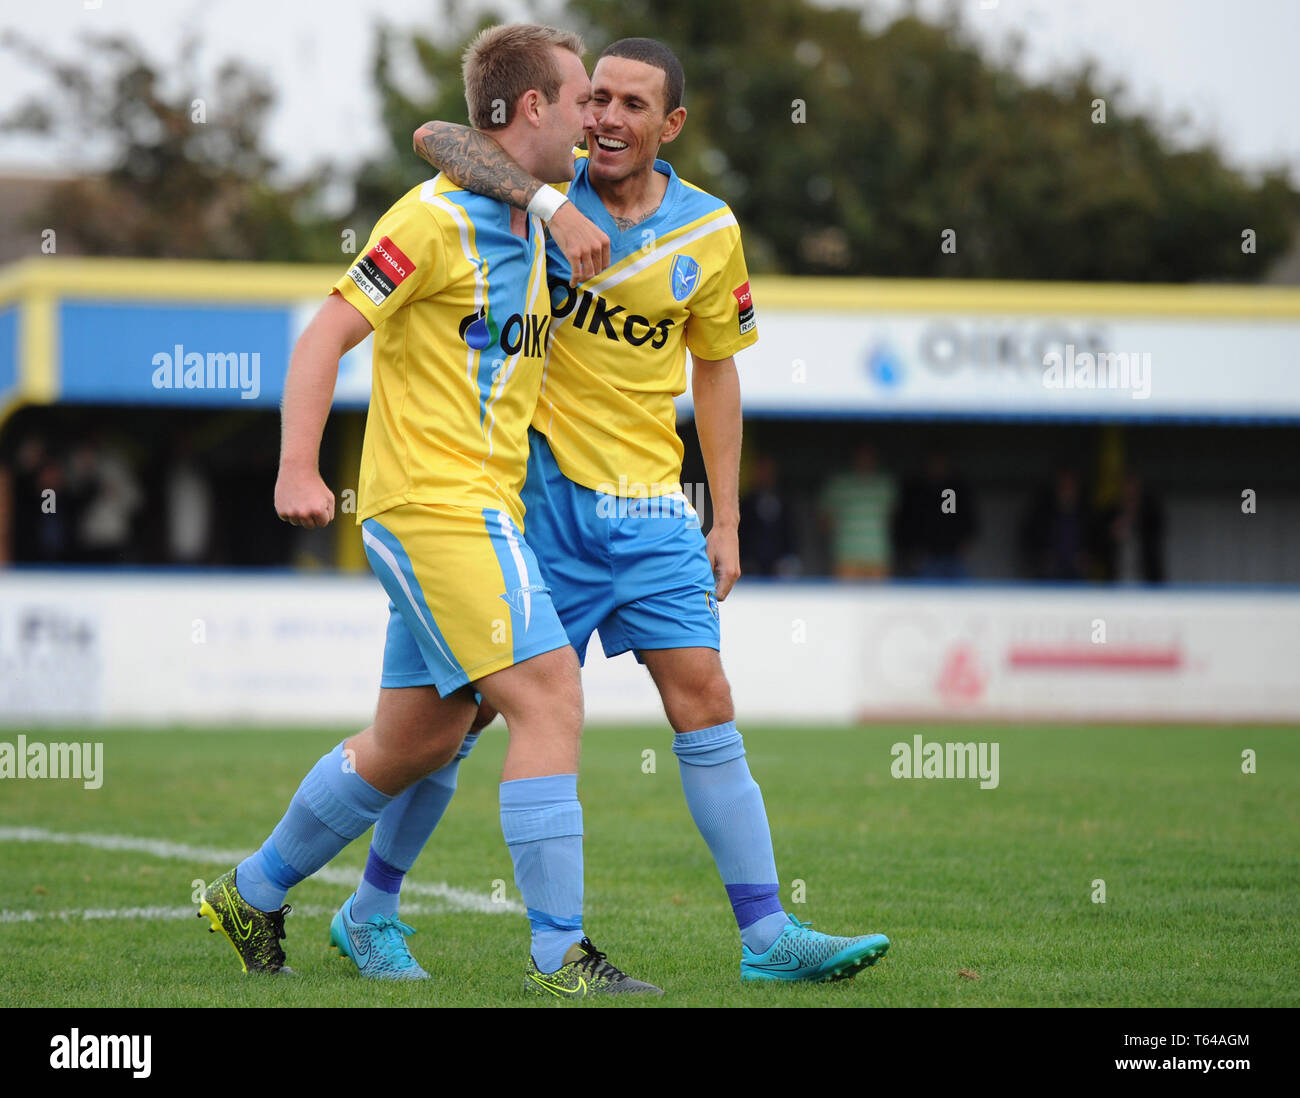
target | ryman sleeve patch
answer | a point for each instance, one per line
(381, 270)
(746, 303)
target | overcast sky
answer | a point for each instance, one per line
(1228, 64)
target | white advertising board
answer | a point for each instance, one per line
(281, 649)
(1069, 366)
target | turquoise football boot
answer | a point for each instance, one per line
(377, 947)
(804, 954)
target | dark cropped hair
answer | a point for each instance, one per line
(650, 52)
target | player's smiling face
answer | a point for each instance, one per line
(569, 117)
(628, 104)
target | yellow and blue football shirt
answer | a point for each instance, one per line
(676, 282)
(637, 572)
(458, 304)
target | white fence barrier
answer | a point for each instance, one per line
(209, 649)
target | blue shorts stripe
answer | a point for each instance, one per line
(393, 567)
(531, 631)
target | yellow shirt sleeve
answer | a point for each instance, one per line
(404, 260)
(722, 313)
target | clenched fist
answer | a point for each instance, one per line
(584, 245)
(303, 499)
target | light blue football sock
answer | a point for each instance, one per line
(333, 805)
(541, 820)
(401, 832)
(727, 807)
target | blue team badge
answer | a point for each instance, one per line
(685, 274)
(713, 604)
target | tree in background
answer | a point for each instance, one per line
(845, 150)
(187, 177)
(381, 182)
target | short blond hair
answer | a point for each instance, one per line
(507, 60)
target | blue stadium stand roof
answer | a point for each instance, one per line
(166, 333)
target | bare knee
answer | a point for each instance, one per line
(541, 700)
(415, 733)
(697, 700)
(550, 681)
(436, 753)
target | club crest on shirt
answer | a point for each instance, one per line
(685, 274)
(520, 597)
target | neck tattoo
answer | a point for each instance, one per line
(625, 223)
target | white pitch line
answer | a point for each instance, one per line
(70, 914)
(459, 898)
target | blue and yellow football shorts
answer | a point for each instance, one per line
(643, 581)
(466, 597)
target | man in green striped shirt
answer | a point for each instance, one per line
(856, 506)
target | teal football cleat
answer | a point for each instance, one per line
(804, 954)
(377, 947)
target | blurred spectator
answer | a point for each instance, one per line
(29, 460)
(856, 506)
(45, 508)
(71, 493)
(767, 536)
(933, 530)
(189, 507)
(1054, 535)
(114, 496)
(51, 515)
(1130, 540)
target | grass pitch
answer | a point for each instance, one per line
(986, 895)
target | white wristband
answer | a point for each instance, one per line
(545, 202)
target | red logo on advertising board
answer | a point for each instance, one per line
(961, 679)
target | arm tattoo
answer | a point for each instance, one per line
(474, 161)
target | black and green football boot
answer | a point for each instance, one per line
(256, 935)
(585, 972)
